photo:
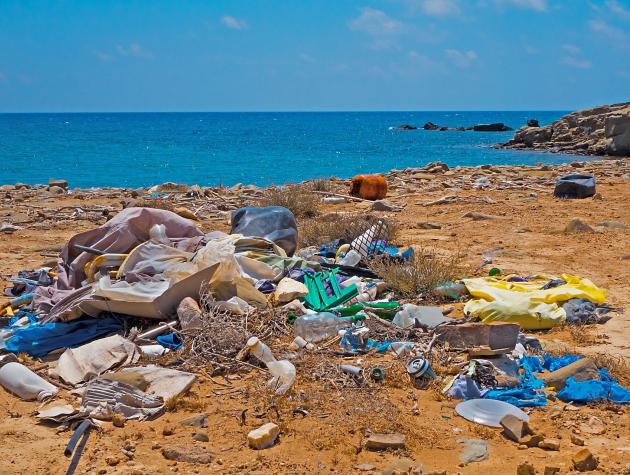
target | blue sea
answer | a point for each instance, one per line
(141, 149)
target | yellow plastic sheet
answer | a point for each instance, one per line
(526, 303)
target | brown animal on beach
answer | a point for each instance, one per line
(369, 187)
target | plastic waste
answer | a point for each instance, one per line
(298, 343)
(283, 373)
(320, 326)
(260, 350)
(273, 223)
(377, 374)
(575, 185)
(21, 381)
(420, 372)
(157, 233)
(362, 243)
(382, 309)
(452, 290)
(354, 339)
(153, 351)
(350, 259)
(401, 348)
(488, 412)
(405, 318)
(351, 369)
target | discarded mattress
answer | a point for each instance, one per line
(527, 303)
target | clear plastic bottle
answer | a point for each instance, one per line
(350, 259)
(21, 381)
(320, 326)
(283, 373)
(260, 350)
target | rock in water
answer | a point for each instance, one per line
(498, 127)
(533, 123)
(406, 127)
(603, 130)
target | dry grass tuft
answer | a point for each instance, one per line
(300, 199)
(342, 226)
(323, 184)
(190, 403)
(618, 366)
(419, 276)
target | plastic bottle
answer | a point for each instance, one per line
(21, 381)
(283, 373)
(320, 326)
(451, 290)
(350, 259)
(260, 350)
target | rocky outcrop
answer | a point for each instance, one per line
(406, 127)
(603, 130)
(497, 127)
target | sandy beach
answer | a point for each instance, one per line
(521, 231)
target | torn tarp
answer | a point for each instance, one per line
(40, 339)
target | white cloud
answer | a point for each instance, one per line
(102, 56)
(536, 5)
(461, 59)
(375, 23)
(571, 48)
(234, 23)
(134, 50)
(307, 58)
(618, 9)
(576, 62)
(440, 7)
(600, 26)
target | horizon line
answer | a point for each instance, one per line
(279, 111)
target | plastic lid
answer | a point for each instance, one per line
(488, 412)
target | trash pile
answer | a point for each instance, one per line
(149, 284)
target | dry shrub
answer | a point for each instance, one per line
(344, 226)
(191, 403)
(300, 199)
(322, 184)
(618, 366)
(419, 276)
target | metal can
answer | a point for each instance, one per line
(420, 372)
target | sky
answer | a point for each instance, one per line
(312, 55)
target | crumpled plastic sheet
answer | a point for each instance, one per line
(529, 394)
(38, 340)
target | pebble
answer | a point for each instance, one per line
(576, 225)
(594, 426)
(525, 468)
(168, 430)
(584, 461)
(577, 440)
(263, 437)
(187, 454)
(550, 444)
(385, 441)
(201, 437)
(551, 470)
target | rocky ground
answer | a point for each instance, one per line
(603, 130)
(503, 216)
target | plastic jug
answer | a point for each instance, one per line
(320, 326)
(21, 381)
(260, 350)
(350, 259)
(283, 373)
